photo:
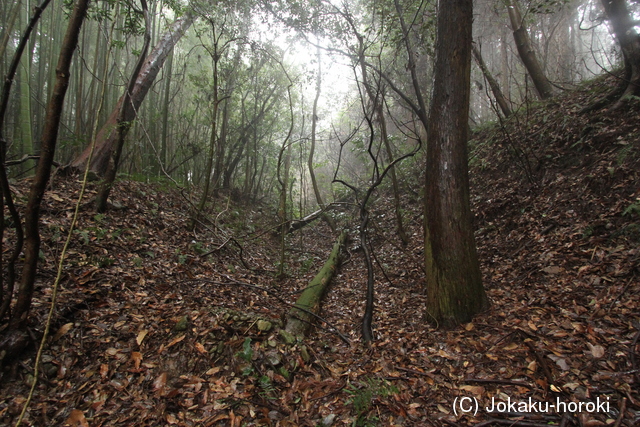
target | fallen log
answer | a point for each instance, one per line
(297, 224)
(299, 319)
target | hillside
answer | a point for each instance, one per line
(156, 325)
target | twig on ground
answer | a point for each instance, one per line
(502, 382)
(623, 408)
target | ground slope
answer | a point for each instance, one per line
(157, 325)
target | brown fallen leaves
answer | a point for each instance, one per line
(150, 332)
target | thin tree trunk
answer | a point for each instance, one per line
(5, 297)
(314, 121)
(212, 146)
(221, 142)
(26, 131)
(394, 179)
(526, 52)
(284, 161)
(8, 27)
(43, 169)
(453, 280)
(165, 115)
(493, 84)
(378, 107)
(123, 126)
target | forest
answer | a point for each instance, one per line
(322, 213)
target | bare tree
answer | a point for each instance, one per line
(5, 193)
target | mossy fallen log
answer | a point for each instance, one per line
(300, 319)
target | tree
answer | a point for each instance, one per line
(314, 123)
(493, 84)
(526, 52)
(377, 100)
(221, 43)
(108, 134)
(623, 27)
(20, 313)
(5, 192)
(122, 126)
(453, 280)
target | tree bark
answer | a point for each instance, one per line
(162, 160)
(453, 279)
(43, 169)
(622, 24)
(6, 196)
(107, 136)
(526, 52)
(299, 321)
(493, 84)
(122, 127)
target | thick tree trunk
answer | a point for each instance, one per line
(623, 26)
(493, 84)
(453, 280)
(108, 134)
(299, 321)
(43, 169)
(526, 52)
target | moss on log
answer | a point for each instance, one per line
(300, 317)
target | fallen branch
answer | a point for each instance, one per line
(541, 362)
(25, 158)
(501, 382)
(297, 224)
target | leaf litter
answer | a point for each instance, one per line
(160, 326)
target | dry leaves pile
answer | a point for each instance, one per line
(160, 326)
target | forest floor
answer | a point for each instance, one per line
(156, 325)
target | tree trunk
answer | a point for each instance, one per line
(526, 52)
(8, 26)
(162, 161)
(453, 280)
(43, 169)
(623, 26)
(26, 118)
(107, 136)
(314, 122)
(299, 321)
(7, 196)
(122, 127)
(493, 84)
(297, 224)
